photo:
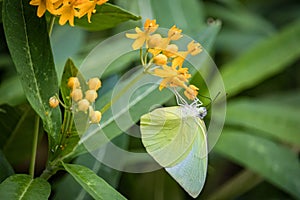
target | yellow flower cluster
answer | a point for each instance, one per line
(90, 95)
(67, 9)
(167, 58)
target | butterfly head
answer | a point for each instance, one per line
(202, 112)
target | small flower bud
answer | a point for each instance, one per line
(171, 50)
(95, 116)
(94, 83)
(160, 59)
(53, 102)
(154, 40)
(83, 105)
(73, 82)
(76, 94)
(91, 95)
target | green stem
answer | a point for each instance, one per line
(141, 56)
(34, 146)
(51, 24)
(48, 172)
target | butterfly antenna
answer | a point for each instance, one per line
(212, 100)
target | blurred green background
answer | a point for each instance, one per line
(257, 50)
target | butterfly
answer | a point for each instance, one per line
(176, 138)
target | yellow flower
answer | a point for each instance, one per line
(171, 77)
(43, 5)
(150, 26)
(184, 72)
(191, 92)
(194, 48)
(140, 36)
(67, 9)
(178, 61)
(174, 33)
(67, 12)
(88, 7)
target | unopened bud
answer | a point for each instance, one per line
(73, 82)
(83, 105)
(160, 59)
(91, 95)
(53, 102)
(94, 83)
(95, 116)
(76, 94)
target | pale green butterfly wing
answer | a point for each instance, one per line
(177, 141)
(166, 136)
(191, 172)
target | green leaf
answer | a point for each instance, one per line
(1, 5)
(289, 98)
(29, 45)
(14, 94)
(9, 118)
(21, 186)
(273, 161)
(17, 132)
(6, 169)
(236, 186)
(273, 118)
(243, 40)
(247, 21)
(106, 16)
(67, 188)
(187, 15)
(92, 183)
(263, 60)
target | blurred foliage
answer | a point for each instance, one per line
(257, 52)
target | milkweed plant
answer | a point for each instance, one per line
(59, 104)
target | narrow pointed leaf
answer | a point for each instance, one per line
(30, 49)
(273, 118)
(106, 16)
(273, 161)
(92, 183)
(17, 133)
(265, 59)
(6, 169)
